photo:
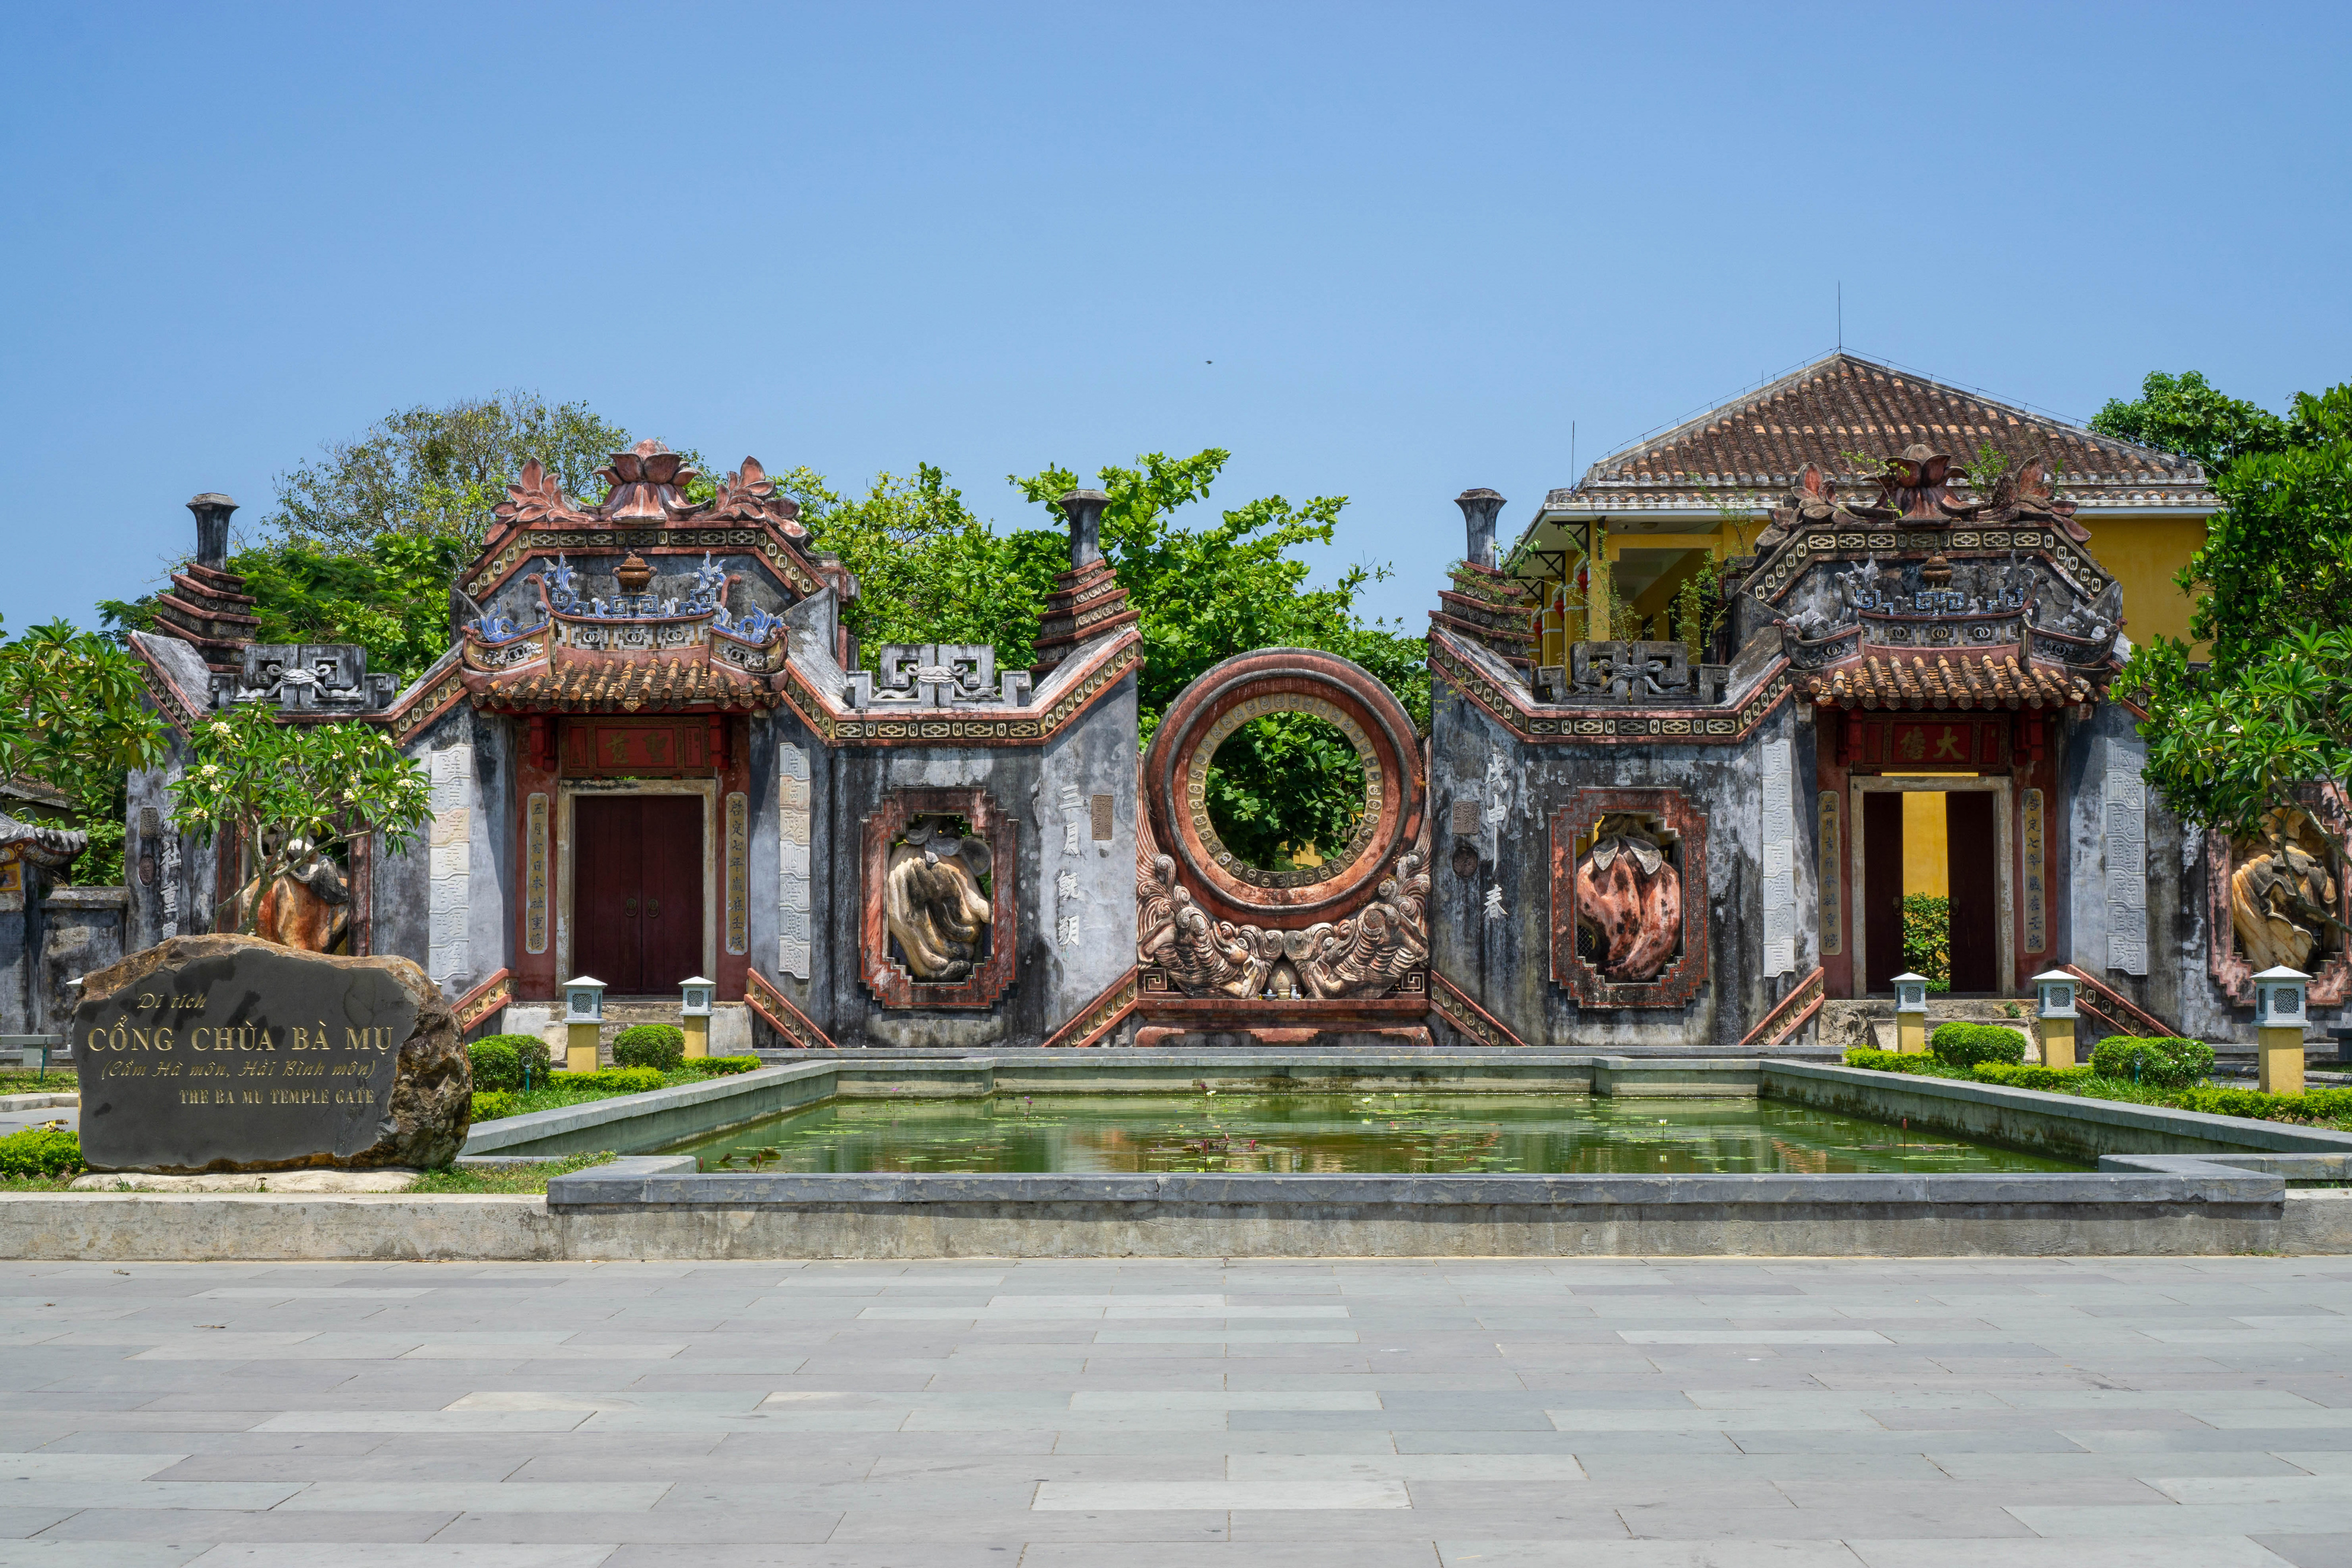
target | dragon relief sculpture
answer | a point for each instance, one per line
(1365, 955)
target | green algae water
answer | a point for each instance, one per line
(1358, 1134)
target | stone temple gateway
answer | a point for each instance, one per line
(654, 754)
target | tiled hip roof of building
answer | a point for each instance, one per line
(1946, 680)
(626, 686)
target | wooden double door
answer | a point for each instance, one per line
(637, 903)
(1972, 844)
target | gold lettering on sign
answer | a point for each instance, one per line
(534, 872)
(2037, 889)
(739, 872)
(1833, 866)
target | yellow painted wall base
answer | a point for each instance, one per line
(580, 1048)
(2057, 1042)
(1911, 1033)
(697, 1035)
(2280, 1054)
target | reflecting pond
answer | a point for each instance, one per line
(1402, 1133)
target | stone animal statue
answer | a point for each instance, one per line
(2264, 892)
(931, 901)
(307, 906)
(1629, 898)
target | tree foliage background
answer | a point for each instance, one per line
(2236, 735)
(364, 542)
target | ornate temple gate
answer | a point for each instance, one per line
(1339, 951)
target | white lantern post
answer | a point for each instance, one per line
(2279, 1021)
(1911, 1013)
(694, 1015)
(2054, 991)
(584, 1020)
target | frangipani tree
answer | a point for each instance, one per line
(292, 790)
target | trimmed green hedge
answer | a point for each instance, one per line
(1963, 1044)
(2160, 1062)
(491, 1104)
(661, 1047)
(499, 1061)
(38, 1152)
(616, 1080)
(728, 1066)
(2318, 1105)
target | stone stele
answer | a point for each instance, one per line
(229, 1053)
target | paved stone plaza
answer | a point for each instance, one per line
(1899, 1415)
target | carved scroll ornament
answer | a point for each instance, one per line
(1366, 954)
(1629, 898)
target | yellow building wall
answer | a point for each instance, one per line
(1926, 857)
(2144, 554)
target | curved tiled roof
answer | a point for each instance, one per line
(1955, 680)
(1846, 404)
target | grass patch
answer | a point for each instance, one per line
(520, 1178)
(28, 1080)
(36, 1183)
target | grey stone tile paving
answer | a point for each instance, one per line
(2178, 1413)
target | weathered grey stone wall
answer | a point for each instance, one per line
(444, 901)
(1503, 959)
(1095, 754)
(82, 932)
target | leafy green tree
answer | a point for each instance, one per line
(928, 568)
(1286, 781)
(290, 790)
(72, 716)
(439, 470)
(2185, 414)
(2233, 742)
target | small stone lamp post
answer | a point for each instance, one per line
(2279, 1022)
(583, 1019)
(2054, 991)
(1911, 1013)
(694, 1015)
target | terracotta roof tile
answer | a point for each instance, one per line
(626, 686)
(1946, 680)
(1845, 403)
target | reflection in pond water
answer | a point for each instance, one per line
(1405, 1133)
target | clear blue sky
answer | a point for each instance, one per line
(1416, 243)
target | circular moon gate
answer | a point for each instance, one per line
(1284, 680)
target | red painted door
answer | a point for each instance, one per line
(1882, 889)
(638, 904)
(670, 924)
(1974, 857)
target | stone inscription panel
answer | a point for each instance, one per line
(245, 1059)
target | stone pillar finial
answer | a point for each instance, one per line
(1479, 509)
(211, 511)
(1085, 509)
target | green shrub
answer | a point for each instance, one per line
(1889, 1061)
(37, 1152)
(2158, 1063)
(612, 1080)
(530, 1053)
(491, 1104)
(1927, 939)
(494, 1064)
(661, 1047)
(727, 1066)
(1966, 1045)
